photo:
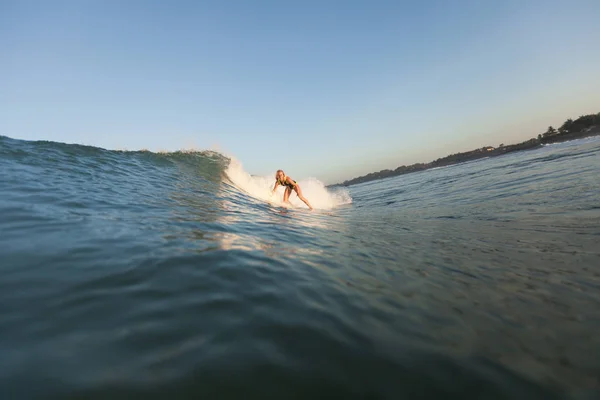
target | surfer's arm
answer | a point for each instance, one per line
(275, 187)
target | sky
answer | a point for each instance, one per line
(331, 89)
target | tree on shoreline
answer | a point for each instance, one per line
(550, 132)
(566, 127)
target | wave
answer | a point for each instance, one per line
(200, 165)
(566, 143)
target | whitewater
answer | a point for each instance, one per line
(133, 274)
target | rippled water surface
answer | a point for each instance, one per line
(133, 274)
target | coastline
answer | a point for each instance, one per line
(563, 134)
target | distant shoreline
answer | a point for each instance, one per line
(584, 126)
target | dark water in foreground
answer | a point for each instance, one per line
(145, 275)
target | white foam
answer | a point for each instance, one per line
(260, 187)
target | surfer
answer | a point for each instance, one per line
(290, 184)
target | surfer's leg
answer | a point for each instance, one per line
(299, 193)
(286, 195)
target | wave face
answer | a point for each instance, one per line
(137, 274)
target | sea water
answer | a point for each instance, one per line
(178, 275)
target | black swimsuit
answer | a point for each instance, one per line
(286, 183)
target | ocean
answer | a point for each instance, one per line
(176, 275)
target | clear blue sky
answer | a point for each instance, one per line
(332, 89)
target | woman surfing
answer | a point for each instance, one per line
(290, 184)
